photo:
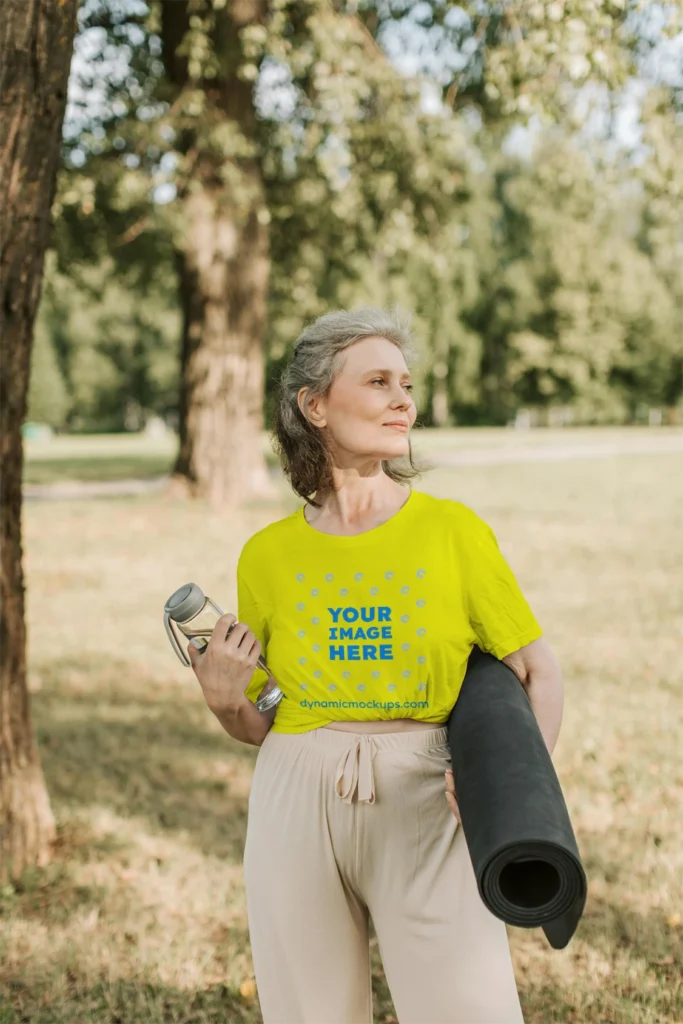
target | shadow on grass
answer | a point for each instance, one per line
(600, 1000)
(143, 754)
(610, 926)
(119, 467)
(49, 891)
(58, 991)
(552, 1004)
(633, 946)
(110, 737)
(124, 1001)
(136, 1001)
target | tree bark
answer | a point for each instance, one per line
(36, 42)
(223, 270)
(223, 284)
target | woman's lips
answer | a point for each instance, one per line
(397, 426)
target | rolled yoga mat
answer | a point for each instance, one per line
(512, 810)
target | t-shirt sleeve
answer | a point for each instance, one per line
(254, 616)
(498, 611)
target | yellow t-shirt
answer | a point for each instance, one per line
(379, 625)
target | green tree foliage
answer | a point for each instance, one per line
(107, 354)
(48, 397)
(549, 278)
(576, 313)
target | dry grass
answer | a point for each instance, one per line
(141, 917)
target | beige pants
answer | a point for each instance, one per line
(342, 825)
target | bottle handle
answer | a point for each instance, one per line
(174, 641)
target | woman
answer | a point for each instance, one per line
(366, 603)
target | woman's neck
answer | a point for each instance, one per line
(344, 513)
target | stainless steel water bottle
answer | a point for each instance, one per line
(190, 614)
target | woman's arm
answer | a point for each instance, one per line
(243, 720)
(540, 673)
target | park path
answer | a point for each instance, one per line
(460, 457)
(559, 452)
(69, 489)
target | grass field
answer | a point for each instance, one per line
(97, 457)
(141, 917)
(135, 456)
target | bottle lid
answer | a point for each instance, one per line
(185, 602)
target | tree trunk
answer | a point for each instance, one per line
(223, 284)
(36, 41)
(223, 270)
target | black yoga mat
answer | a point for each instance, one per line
(512, 810)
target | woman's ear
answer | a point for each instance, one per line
(301, 401)
(310, 409)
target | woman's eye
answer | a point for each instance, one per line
(379, 380)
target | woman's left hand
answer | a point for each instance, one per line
(450, 793)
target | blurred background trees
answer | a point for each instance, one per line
(510, 171)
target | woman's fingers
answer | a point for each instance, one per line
(220, 630)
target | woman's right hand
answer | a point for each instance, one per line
(225, 668)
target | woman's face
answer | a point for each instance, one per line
(371, 389)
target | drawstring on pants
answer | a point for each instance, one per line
(354, 771)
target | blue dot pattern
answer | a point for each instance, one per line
(324, 635)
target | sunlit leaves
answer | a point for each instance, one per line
(547, 278)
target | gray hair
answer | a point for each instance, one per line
(300, 446)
